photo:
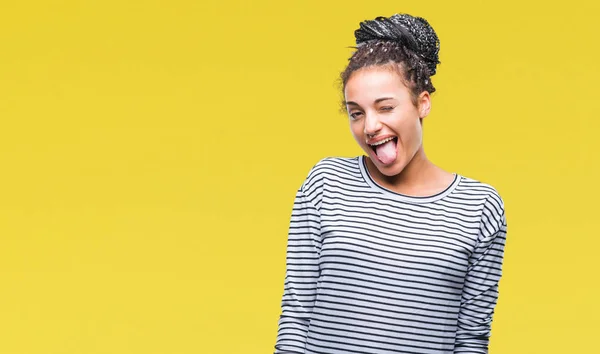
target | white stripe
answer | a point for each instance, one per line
(374, 271)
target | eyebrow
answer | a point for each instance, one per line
(376, 101)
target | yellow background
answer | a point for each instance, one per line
(151, 150)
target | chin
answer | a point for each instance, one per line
(391, 171)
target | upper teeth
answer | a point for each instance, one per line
(382, 141)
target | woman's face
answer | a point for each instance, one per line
(383, 119)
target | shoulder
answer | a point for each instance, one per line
(329, 170)
(486, 191)
(332, 168)
(493, 217)
(335, 163)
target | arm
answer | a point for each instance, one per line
(480, 292)
(302, 273)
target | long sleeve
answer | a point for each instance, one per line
(480, 292)
(302, 274)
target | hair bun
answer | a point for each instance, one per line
(412, 32)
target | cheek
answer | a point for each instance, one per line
(356, 130)
(416, 133)
(410, 133)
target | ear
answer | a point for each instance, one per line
(424, 104)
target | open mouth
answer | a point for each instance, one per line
(382, 142)
(386, 150)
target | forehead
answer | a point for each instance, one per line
(368, 84)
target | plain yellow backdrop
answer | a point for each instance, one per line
(151, 151)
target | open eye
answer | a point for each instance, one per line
(355, 115)
(387, 108)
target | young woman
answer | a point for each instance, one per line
(387, 252)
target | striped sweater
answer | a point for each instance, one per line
(369, 270)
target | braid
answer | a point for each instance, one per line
(402, 42)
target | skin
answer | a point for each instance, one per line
(412, 173)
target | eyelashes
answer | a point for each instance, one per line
(384, 109)
(353, 115)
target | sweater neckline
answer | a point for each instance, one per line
(405, 197)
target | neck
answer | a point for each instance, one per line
(414, 179)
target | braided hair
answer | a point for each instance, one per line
(408, 42)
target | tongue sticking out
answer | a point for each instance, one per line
(386, 152)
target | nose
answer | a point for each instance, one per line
(372, 124)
